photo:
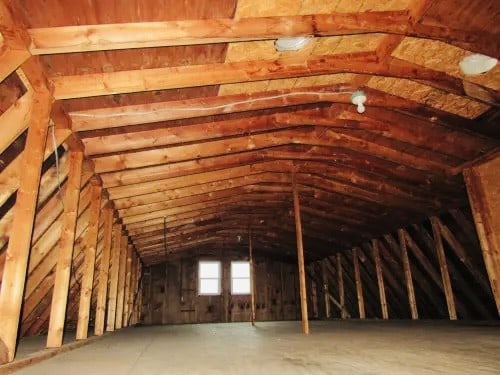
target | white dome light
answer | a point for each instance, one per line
(477, 64)
(292, 43)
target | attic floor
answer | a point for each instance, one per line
(334, 347)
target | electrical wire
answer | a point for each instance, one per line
(208, 108)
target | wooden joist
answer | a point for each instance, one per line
(483, 188)
(300, 255)
(64, 261)
(97, 84)
(84, 38)
(13, 281)
(89, 263)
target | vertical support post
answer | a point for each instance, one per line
(16, 260)
(380, 279)
(121, 283)
(324, 277)
(66, 243)
(359, 284)
(408, 277)
(483, 188)
(445, 275)
(252, 278)
(128, 283)
(102, 288)
(340, 280)
(90, 249)
(300, 253)
(113, 285)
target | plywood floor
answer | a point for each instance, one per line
(334, 347)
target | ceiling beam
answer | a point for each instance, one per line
(85, 38)
(96, 84)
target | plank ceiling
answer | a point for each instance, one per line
(210, 134)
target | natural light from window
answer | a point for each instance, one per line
(209, 274)
(240, 278)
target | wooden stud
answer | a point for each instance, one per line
(121, 282)
(359, 284)
(127, 286)
(340, 280)
(326, 292)
(113, 285)
(64, 260)
(300, 252)
(408, 275)
(102, 288)
(90, 251)
(483, 188)
(252, 278)
(448, 290)
(380, 279)
(14, 273)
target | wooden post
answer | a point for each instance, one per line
(121, 282)
(359, 284)
(324, 276)
(66, 243)
(102, 288)
(408, 277)
(126, 287)
(16, 260)
(445, 275)
(300, 251)
(380, 279)
(252, 278)
(340, 280)
(483, 188)
(113, 284)
(90, 250)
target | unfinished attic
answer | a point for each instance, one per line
(316, 181)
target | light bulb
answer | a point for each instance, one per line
(358, 98)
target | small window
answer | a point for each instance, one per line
(209, 278)
(240, 278)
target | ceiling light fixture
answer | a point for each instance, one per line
(476, 64)
(358, 98)
(291, 43)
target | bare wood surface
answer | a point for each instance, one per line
(359, 285)
(300, 254)
(408, 274)
(115, 271)
(64, 259)
(89, 263)
(380, 279)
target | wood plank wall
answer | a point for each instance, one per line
(174, 299)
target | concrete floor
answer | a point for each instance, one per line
(334, 347)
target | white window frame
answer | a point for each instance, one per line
(249, 278)
(219, 278)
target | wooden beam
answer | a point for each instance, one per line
(359, 285)
(380, 278)
(252, 278)
(97, 84)
(15, 120)
(483, 188)
(121, 283)
(448, 291)
(64, 261)
(90, 251)
(340, 281)
(113, 285)
(102, 289)
(17, 255)
(326, 292)
(408, 276)
(126, 286)
(300, 254)
(104, 37)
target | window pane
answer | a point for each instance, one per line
(209, 286)
(209, 270)
(240, 269)
(240, 286)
